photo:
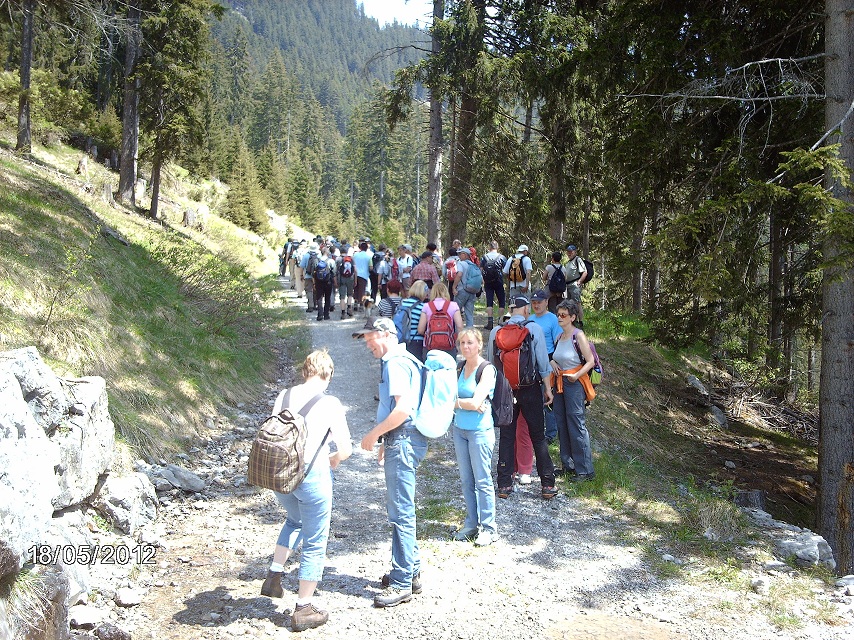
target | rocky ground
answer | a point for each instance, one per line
(565, 568)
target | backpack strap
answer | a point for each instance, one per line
(575, 344)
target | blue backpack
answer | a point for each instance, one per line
(403, 320)
(438, 393)
(472, 278)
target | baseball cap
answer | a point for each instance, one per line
(540, 294)
(522, 247)
(408, 247)
(520, 302)
(374, 324)
(571, 247)
(464, 250)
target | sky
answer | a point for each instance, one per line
(406, 12)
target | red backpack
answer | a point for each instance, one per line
(440, 332)
(451, 268)
(514, 345)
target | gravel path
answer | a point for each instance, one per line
(562, 568)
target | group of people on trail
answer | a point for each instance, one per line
(538, 361)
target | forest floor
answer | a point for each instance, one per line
(569, 568)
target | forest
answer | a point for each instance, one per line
(691, 149)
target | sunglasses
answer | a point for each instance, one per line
(563, 315)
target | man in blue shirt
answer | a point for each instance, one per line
(402, 450)
(308, 277)
(529, 401)
(551, 331)
(363, 260)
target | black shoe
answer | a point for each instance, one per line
(326, 317)
(584, 477)
(564, 472)
(385, 581)
(272, 586)
(309, 310)
(548, 493)
(392, 597)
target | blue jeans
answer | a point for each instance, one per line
(405, 448)
(474, 457)
(309, 509)
(466, 302)
(571, 428)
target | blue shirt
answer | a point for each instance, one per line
(363, 263)
(551, 329)
(474, 420)
(304, 263)
(400, 377)
(541, 356)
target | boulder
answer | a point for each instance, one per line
(86, 439)
(129, 502)
(42, 390)
(28, 458)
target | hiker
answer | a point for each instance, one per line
(518, 271)
(380, 273)
(474, 440)
(529, 401)
(402, 449)
(492, 265)
(299, 271)
(554, 278)
(404, 264)
(388, 306)
(324, 282)
(576, 275)
(551, 331)
(309, 259)
(363, 261)
(449, 270)
(425, 270)
(414, 302)
(345, 267)
(441, 321)
(467, 284)
(309, 506)
(570, 399)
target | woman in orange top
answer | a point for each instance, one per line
(571, 360)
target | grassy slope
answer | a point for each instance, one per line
(96, 307)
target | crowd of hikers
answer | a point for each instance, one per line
(531, 378)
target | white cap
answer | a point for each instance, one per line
(522, 247)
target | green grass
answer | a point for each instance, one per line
(173, 344)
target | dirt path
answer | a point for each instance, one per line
(562, 569)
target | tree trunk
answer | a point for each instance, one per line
(775, 291)
(654, 269)
(24, 143)
(460, 189)
(156, 166)
(557, 213)
(836, 409)
(105, 64)
(130, 116)
(638, 251)
(434, 184)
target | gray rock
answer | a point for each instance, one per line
(808, 549)
(729, 464)
(693, 381)
(107, 631)
(750, 498)
(83, 616)
(128, 597)
(128, 501)
(27, 459)
(183, 479)
(845, 581)
(41, 389)
(719, 417)
(86, 442)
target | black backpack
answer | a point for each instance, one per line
(502, 396)
(493, 270)
(557, 281)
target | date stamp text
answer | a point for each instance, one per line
(68, 554)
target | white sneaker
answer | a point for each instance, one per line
(485, 538)
(524, 478)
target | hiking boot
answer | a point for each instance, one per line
(272, 586)
(489, 325)
(584, 477)
(385, 581)
(548, 493)
(343, 313)
(307, 616)
(504, 492)
(392, 597)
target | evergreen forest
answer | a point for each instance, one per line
(690, 149)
